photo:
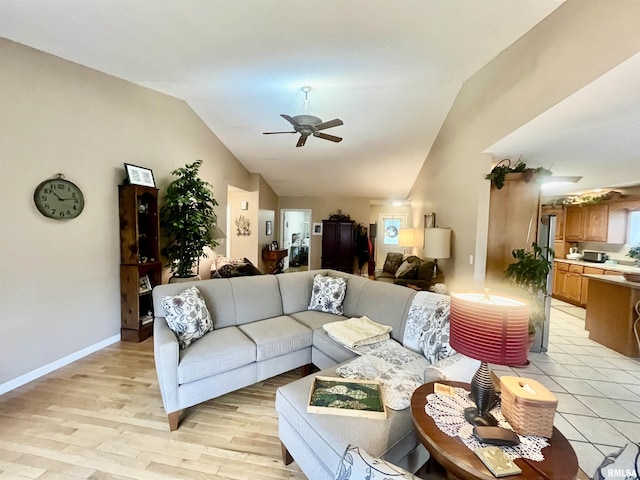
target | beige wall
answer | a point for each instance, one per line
(321, 208)
(59, 280)
(573, 46)
(268, 206)
(243, 246)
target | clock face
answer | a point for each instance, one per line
(59, 199)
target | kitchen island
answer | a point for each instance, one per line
(611, 313)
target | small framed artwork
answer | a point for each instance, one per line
(269, 229)
(430, 220)
(317, 228)
(145, 284)
(347, 396)
(139, 175)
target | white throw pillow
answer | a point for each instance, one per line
(327, 294)
(456, 368)
(357, 464)
(187, 316)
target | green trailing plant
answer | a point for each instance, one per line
(186, 218)
(634, 252)
(529, 274)
(503, 167)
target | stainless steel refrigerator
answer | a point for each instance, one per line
(546, 238)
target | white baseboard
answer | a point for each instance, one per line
(39, 372)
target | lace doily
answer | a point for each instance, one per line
(448, 414)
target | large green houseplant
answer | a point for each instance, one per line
(186, 218)
(529, 275)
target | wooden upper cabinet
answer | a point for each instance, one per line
(573, 224)
(595, 223)
(559, 213)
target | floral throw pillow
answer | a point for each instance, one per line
(392, 262)
(187, 316)
(357, 464)
(327, 294)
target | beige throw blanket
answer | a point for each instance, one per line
(357, 331)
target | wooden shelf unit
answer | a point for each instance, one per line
(139, 258)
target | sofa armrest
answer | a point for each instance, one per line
(166, 353)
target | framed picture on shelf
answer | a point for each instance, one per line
(317, 228)
(430, 220)
(347, 396)
(269, 229)
(139, 175)
(145, 284)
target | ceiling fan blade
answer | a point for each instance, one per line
(327, 137)
(331, 123)
(275, 133)
(302, 140)
(290, 119)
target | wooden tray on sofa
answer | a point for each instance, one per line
(347, 396)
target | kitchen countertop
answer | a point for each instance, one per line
(615, 279)
(604, 266)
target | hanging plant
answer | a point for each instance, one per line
(503, 167)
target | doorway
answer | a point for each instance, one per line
(389, 225)
(294, 237)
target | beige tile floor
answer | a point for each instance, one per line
(598, 389)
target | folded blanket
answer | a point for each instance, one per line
(357, 331)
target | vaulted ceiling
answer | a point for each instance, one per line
(389, 70)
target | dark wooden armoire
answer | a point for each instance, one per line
(337, 245)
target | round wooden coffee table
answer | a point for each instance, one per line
(560, 461)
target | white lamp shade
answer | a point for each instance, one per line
(407, 237)
(437, 242)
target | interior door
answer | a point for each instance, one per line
(389, 225)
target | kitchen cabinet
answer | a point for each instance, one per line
(559, 213)
(611, 313)
(567, 282)
(337, 245)
(595, 223)
(570, 283)
(585, 282)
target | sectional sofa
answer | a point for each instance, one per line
(263, 328)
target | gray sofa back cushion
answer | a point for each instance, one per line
(256, 298)
(230, 301)
(295, 289)
(386, 304)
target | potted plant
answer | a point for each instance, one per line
(503, 167)
(187, 218)
(634, 252)
(529, 274)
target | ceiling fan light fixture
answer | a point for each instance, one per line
(307, 124)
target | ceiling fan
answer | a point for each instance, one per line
(307, 124)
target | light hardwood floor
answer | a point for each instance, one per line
(102, 418)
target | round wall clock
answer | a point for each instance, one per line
(58, 198)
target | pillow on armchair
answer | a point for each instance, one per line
(392, 262)
(407, 270)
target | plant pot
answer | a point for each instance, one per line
(192, 278)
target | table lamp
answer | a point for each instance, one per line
(409, 237)
(492, 329)
(437, 244)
